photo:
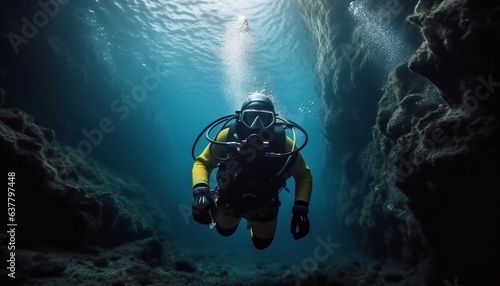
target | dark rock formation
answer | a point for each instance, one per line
(184, 266)
(459, 52)
(152, 252)
(100, 262)
(448, 159)
(71, 208)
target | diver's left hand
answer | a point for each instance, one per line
(299, 226)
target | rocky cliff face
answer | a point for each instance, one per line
(61, 205)
(418, 158)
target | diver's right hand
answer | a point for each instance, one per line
(201, 203)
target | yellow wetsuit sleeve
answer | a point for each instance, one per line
(205, 162)
(302, 175)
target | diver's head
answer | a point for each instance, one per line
(256, 114)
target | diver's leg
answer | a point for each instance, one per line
(263, 233)
(226, 223)
(263, 229)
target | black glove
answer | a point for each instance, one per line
(300, 222)
(201, 204)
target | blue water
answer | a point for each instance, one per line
(207, 68)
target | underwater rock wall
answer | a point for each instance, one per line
(419, 158)
(63, 210)
(447, 160)
(70, 206)
(351, 91)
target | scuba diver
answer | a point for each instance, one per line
(254, 157)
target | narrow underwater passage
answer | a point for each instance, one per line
(101, 102)
(271, 53)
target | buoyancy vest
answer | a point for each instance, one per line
(249, 179)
